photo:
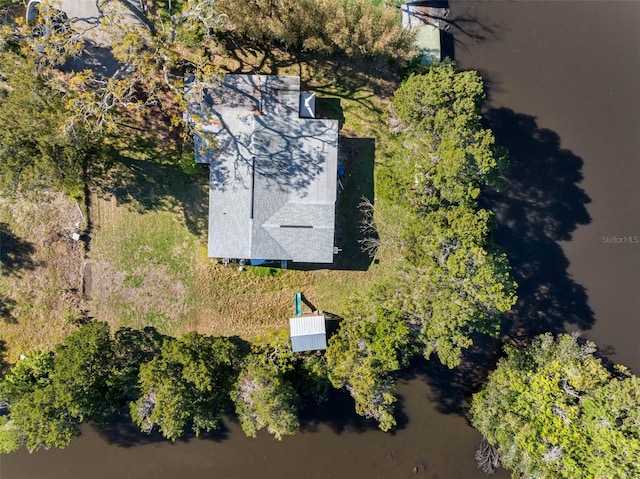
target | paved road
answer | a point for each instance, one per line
(85, 16)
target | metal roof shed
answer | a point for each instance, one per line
(308, 332)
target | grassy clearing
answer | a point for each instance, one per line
(148, 218)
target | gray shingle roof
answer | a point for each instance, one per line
(272, 173)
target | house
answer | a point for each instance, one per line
(308, 332)
(273, 168)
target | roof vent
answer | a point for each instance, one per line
(307, 105)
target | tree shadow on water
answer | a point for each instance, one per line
(338, 412)
(121, 431)
(541, 206)
(451, 389)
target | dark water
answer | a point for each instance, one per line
(565, 98)
(564, 91)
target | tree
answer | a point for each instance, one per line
(455, 281)
(362, 358)
(427, 100)
(16, 390)
(306, 371)
(265, 399)
(446, 151)
(354, 28)
(265, 394)
(554, 411)
(84, 375)
(48, 395)
(32, 372)
(39, 420)
(460, 281)
(36, 147)
(34, 416)
(132, 348)
(157, 46)
(187, 384)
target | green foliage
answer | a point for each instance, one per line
(40, 420)
(311, 376)
(5, 5)
(84, 375)
(362, 358)
(428, 101)
(32, 372)
(272, 383)
(47, 395)
(352, 27)
(188, 383)
(554, 411)
(392, 185)
(36, 147)
(133, 347)
(10, 436)
(305, 371)
(17, 394)
(265, 399)
(449, 155)
(459, 282)
(171, 40)
(455, 281)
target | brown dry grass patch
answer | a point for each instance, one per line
(42, 290)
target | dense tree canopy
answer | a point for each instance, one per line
(54, 115)
(17, 390)
(352, 27)
(455, 280)
(84, 373)
(265, 399)
(187, 384)
(554, 411)
(47, 395)
(362, 358)
(445, 149)
(175, 385)
(274, 383)
(38, 146)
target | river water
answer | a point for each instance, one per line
(564, 97)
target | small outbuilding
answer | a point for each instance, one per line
(308, 332)
(417, 16)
